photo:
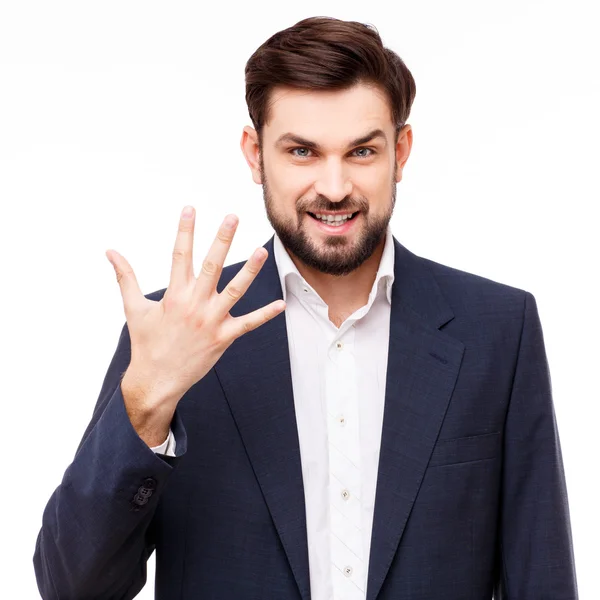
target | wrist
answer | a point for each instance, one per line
(150, 412)
(146, 393)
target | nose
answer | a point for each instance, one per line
(333, 181)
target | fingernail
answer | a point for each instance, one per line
(229, 222)
(187, 212)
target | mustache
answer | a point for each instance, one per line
(342, 206)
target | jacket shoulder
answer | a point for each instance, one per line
(468, 292)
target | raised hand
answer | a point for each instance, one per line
(176, 341)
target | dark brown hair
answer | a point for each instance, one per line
(324, 53)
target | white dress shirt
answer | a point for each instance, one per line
(338, 380)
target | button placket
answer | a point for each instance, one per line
(346, 540)
(348, 564)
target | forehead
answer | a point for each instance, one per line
(326, 114)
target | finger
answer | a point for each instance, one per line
(130, 290)
(238, 326)
(238, 286)
(182, 269)
(212, 266)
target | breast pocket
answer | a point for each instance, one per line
(466, 449)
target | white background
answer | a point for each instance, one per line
(114, 115)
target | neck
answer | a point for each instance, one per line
(343, 294)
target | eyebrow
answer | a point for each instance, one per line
(296, 139)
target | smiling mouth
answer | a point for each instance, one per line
(326, 222)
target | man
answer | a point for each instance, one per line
(334, 418)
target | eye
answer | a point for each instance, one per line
(300, 148)
(367, 155)
(371, 150)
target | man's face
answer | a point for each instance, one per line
(338, 173)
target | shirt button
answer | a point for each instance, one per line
(348, 571)
(345, 494)
(339, 345)
(305, 289)
(342, 420)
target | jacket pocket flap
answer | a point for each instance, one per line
(465, 449)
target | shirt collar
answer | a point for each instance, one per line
(385, 273)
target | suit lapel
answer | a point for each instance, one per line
(423, 365)
(256, 377)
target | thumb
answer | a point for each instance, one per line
(133, 299)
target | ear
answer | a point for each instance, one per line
(251, 152)
(403, 146)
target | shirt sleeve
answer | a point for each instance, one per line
(167, 447)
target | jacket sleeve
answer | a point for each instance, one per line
(535, 548)
(96, 534)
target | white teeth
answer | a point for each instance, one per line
(333, 218)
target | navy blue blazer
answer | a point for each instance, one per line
(471, 498)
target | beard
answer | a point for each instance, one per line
(334, 254)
